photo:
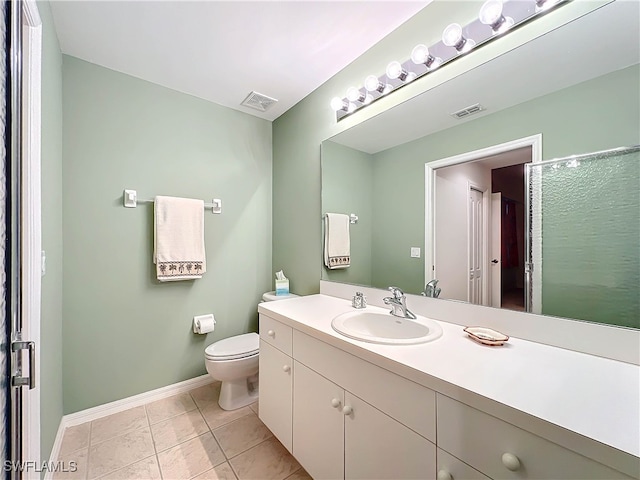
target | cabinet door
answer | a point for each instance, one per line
(276, 392)
(376, 446)
(318, 424)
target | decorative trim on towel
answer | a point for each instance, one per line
(339, 262)
(179, 269)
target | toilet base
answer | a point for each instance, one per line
(236, 394)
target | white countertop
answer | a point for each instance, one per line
(596, 397)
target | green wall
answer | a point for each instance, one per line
(297, 134)
(348, 190)
(51, 305)
(124, 332)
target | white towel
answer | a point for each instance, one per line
(178, 249)
(337, 246)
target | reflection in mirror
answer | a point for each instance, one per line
(577, 104)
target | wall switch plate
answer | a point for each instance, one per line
(415, 252)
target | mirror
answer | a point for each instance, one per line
(575, 88)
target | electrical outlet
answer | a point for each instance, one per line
(415, 252)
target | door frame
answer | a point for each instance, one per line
(533, 141)
(31, 222)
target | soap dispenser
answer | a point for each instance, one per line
(359, 300)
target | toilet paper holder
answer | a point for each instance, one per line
(204, 323)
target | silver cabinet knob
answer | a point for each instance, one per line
(271, 333)
(335, 402)
(286, 368)
(347, 410)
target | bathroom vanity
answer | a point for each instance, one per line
(446, 409)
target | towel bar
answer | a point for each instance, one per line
(130, 200)
(353, 218)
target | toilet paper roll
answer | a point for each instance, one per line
(204, 323)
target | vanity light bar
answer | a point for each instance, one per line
(496, 17)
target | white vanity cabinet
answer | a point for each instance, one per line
(276, 379)
(346, 417)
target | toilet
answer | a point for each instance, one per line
(234, 361)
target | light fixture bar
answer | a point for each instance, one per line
(496, 18)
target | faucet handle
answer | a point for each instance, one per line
(397, 293)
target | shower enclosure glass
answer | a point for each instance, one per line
(586, 269)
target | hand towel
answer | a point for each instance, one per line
(337, 246)
(178, 249)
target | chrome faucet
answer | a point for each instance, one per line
(398, 304)
(431, 289)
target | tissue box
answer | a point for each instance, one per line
(282, 287)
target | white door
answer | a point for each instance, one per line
(318, 423)
(496, 250)
(476, 246)
(276, 390)
(23, 259)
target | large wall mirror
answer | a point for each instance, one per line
(482, 204)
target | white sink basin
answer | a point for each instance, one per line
(378, 327)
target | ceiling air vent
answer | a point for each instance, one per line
(465, 112)
(258, 101)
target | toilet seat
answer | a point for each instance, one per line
(232, 348)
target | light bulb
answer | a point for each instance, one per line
(542, 5)
(354, 95)
(394, 70)
(338, 104)
(420, 54)
(452, 35)
(371, 83)
(490, 12)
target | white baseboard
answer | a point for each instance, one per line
(117, 406)
(55, 450)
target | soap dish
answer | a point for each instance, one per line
(486, 336)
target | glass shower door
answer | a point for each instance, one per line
(584, 237)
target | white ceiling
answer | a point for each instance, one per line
(222, 50)
(574, 53)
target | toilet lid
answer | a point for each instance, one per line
(234, 347)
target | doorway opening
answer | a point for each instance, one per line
(476, 227)
(507, 185)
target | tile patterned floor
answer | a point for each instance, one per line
(187, 436)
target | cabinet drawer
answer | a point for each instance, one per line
(482, 441)
(409, 403)
(450, 468)
(275, 333)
